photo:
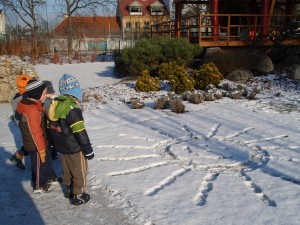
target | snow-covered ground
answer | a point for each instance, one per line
(222, 162)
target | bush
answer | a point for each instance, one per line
(148, 54)
(162, 103)
(178, 50)
(207, 74)
(177, 106)
(179, 80)
(147, 83)
(143, 56)
(168, 69)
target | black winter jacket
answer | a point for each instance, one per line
(67, 126)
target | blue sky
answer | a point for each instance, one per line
(52, 10)
(49, 13)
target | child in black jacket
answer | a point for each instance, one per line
(67, 128)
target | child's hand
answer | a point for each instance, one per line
(88, 151)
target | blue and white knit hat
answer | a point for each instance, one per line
(70, 86)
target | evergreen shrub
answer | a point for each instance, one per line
(146, 83)
(178, 50)
(133, 60)
(177, 76)
(207, 74)
(148, 54)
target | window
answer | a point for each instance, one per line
(128, 26)
(137, 25)
(134, 9)
(146, 24)
(156, 10)
(98, 45)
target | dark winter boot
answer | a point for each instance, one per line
(18, 159)
(69, 191)
(80, 199)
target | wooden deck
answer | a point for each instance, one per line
(205, 43)
(249, 33)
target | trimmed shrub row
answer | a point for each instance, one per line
(179, 80)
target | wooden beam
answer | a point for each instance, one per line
(246, 43)
(192, 2)
(272, 7)
(235, 1)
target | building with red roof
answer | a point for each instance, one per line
(89, 33)
(136, 16)
(133, 20)
(89, 27)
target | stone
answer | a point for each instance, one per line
(197, 97)
(236, 95)
(10, 68)
(137, 104)
(295, 72)
(264, 64)
(239, 76)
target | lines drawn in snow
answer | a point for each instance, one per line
(167, 181)
(137, 169)
(128, 158)
(208, 153)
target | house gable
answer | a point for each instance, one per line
(148, 12)
(135, 8)
(123, 7)
(156, 8)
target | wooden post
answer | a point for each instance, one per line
(266, 12)
(215, 19)
(178, 8)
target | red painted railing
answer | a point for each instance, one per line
(233, 30)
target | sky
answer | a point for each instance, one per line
(53, 8)
(221, 162)
(50, 14)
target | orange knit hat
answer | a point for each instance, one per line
(21, 82)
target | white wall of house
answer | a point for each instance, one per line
(90, 45)
(2, 23)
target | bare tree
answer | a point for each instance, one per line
(69, 8)
(27, 11)
(194, 10)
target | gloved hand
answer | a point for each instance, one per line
(42, 155)
(88, 151)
